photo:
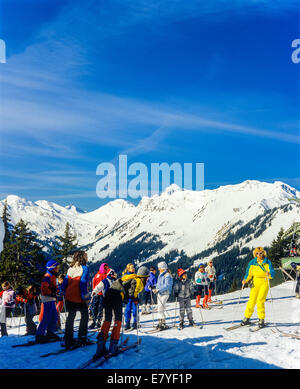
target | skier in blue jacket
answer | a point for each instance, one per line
(163, 290)
(151, 284)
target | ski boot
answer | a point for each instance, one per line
(52, 336)
(113, 346)
(198, 302)
(261, 323)
(181, 325)
(41, 339)
(134, 326)
(245, 321)
(101, 349)
(192, 323)
(297, 296)
(127, 326)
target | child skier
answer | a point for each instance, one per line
(163, 290)
(183, 291)
(260, 271)
(60, 299)
(201, 280)
(27, 297)
(151, 283)
(47, 326)
(8, 303)
(296, 267)
(75, 288)
(96, 307)
(211, 274)
(127, 287)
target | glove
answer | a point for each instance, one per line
(155, 291)
(135, 301)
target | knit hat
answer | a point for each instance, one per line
(180, 272)
(143, 271)
(201, 265)
(52, 264)
(162, 265)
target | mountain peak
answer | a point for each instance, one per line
(172, 189)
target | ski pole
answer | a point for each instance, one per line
(137, 327)
(175, 317)
(151, 297)
(201, 316)
(22, 309)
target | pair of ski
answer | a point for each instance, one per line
(66, 350)
(199, 327)
(254, 329)
(286, 334)
(33, 343)
(95, 363)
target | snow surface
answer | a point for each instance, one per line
(209, 348)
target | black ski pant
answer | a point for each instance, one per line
(112, 304)
(185, 306)
(72, 309)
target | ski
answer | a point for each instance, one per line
(216, 306)
(64, 350)
(194, 326)
(286, 334)
(237, 326)
(92, 360)
(106, 357)
(33, 342)
(153, 331)
(256, 328)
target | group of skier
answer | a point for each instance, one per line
(110, 294)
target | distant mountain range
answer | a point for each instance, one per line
(209, 221)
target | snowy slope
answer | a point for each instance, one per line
(181, 219)
(209, 348)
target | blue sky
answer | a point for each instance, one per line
(161, 81)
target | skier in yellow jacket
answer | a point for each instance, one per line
(260, 271)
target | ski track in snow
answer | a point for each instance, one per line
(209, 348)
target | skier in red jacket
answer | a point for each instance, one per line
(96, 306)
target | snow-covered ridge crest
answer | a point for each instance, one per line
(182, 219)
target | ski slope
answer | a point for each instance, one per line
(209, 348)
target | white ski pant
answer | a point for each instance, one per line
(161, 305)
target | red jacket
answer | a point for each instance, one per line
(102, 273)
(49, 288)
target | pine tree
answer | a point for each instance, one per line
(23, 260)
(66, 245)
(279, 248)
(6, 219)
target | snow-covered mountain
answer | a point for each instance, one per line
(177, 219)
